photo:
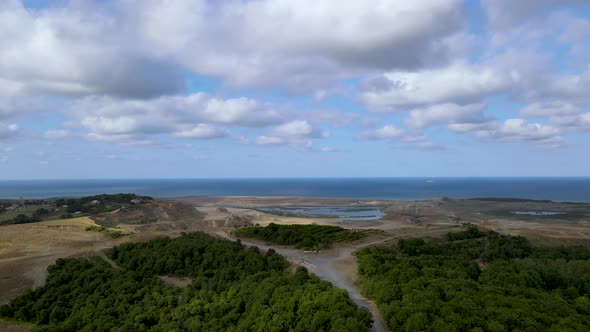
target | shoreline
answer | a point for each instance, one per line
(311, 200)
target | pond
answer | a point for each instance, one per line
(338, 212)
(537, 213)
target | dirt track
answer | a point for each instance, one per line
(338, 265)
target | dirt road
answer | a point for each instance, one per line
(327, 266)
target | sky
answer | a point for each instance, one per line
(279, 88)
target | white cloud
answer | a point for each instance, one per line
(459, 83)
(451, 114)
(137, 48)
(470, 127)
(202, 131)
(558, 108)
(297, 134)
(185, 116)
(294, 128)
(392, 133)
(576, 121)
(299, 128)
(75, 51)
(574, 87)
(518, 130)
(386, 132)
(126, 139)
(269, 140)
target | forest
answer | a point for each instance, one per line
(104, 202)
(309, 237)
(233, 288)
(478, 281)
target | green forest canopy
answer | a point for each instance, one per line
(478, 281)
(233, 289)
(301, 236)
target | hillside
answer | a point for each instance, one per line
(232, 288)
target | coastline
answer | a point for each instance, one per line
(399, 189)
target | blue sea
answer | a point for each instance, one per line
(557, 189)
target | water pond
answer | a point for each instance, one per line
(337, 212)
(537, 213)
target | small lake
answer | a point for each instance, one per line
(348, 213)
(537, 213)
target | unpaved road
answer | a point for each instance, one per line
(326, 267)
(338, 266)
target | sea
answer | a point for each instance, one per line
(564, 189)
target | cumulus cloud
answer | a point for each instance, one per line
(386, 132)
(297, 133)
(451, 114)
(574, 87)
(556, 108)
(75, 51)
(138, 48)
(296, 43)
(130, 118)
(122, 66)
(392, 133)
(299, 128)
(458, 83)
(202, 131)
(577, 121)
(518, 130)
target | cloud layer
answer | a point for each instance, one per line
(288, 73)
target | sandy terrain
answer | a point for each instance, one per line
(27, 250)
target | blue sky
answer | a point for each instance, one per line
(202, 89)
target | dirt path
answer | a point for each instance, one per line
(338, 266)
(325, 266)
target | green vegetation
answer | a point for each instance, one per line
(309, 237)
(233, 289)
(20, 219)
(478, 281)
(108, 232)
(25, 215)
(31, 211)
(99, 203)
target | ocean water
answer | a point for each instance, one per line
(558, 189)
